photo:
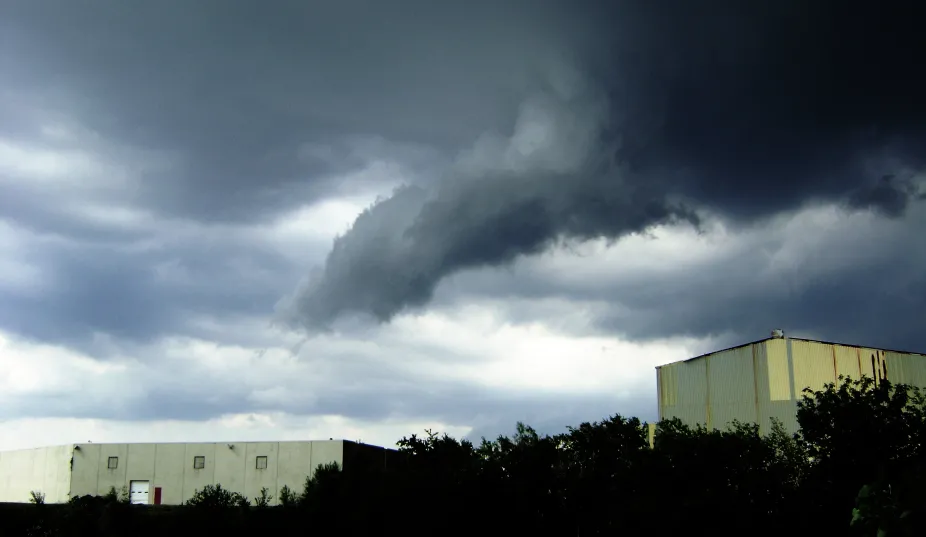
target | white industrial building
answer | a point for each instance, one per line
(758, 381)
(170, 473)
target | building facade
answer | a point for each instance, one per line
(170, 473)
(758, 381)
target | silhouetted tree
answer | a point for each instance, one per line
(855, 467)
(862, 433)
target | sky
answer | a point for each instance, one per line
(242, 220)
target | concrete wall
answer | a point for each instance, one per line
(170, 467)
(764, 380)
(46, 470)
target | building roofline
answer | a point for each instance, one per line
(72, 444)
(791, 338)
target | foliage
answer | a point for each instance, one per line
(37, 497)
(866, 440)
(215, 497)
(856, 467)
(288, 497)
(264, 499)
(120, 496)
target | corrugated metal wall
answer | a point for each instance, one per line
(764, 380)
(774, 393)
(712, 391)
(847, 361)
(732, 387)
(813, 365)
(905, 368)
(683, 391)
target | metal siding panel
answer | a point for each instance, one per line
(294, 466)
(659, 394)
(229, 466)
(684, 391)
(691, 405)
(668, 390)
(905, 368)
(813, 365)
(732, 387)
(170, 465)
(108, 478)
(866, 356)
(196, 480)
(776, 367)
(671, 387)
(140, 460)
(846, 361)
(256, 479)
(774, 398)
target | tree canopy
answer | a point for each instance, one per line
(856, 467)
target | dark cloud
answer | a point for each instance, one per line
(563, 121)
(891, 195)
(745, 109)
(848, 278)
(764, 105)
(236, 90)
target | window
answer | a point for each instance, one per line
(112, 463)
(262, 462)
(199, 462)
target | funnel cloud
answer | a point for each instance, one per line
(678, 109)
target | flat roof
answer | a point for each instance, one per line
(791, 338)
(176, 442)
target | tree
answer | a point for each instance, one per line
(604, 467)
(118, 496)
(264, 499)
(865, 440)
(288, 497)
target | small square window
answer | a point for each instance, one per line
(112, 463)
(262, 462)
(199, 462)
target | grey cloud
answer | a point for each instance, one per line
(865, 289)
(142, 294)
(382, 268)
(236, 91)
(715, 104)
(891, 195)
(764, 106)
(575, 120)
(506, 198)
(389, 396)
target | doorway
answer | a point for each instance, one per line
(138, 492)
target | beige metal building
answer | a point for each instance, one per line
(170, 473)
(762, 380)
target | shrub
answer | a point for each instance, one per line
(215, 497)
(264, 499)
(288, 497)
(117, 496)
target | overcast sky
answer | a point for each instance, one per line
(230, 220)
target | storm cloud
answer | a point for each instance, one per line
(356, 217)
(740, 110)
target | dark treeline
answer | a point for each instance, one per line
(855, 468)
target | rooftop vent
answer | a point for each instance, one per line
(778, 333)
